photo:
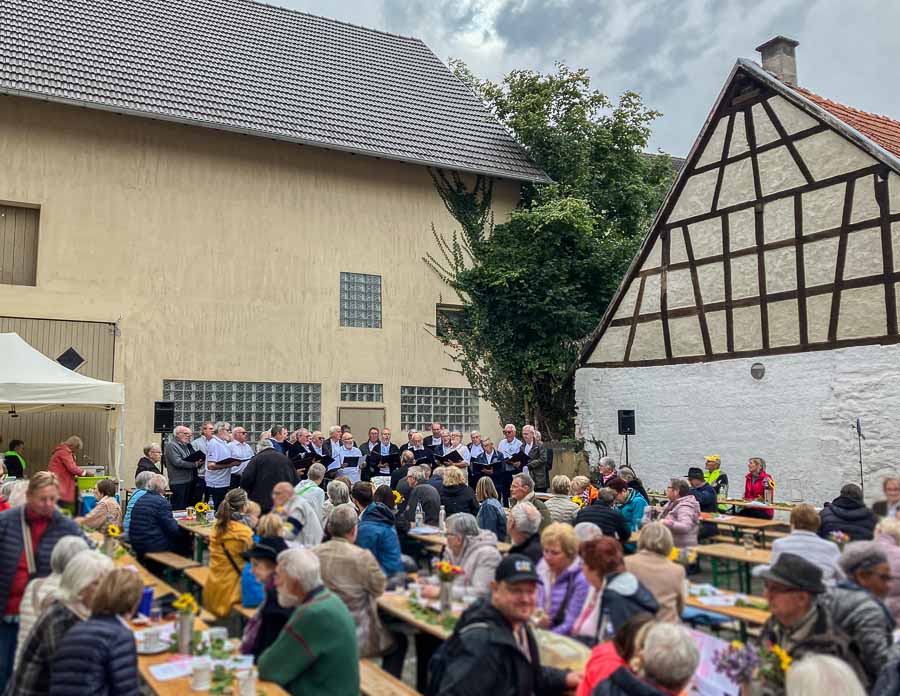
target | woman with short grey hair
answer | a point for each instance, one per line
(475, 551)
(669, 657)
(857, 604)
(818, 674)
(681, 514)
(560, 504)
(336, 494)
(663, 577)
(151, 461)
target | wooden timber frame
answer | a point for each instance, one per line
(749, 85)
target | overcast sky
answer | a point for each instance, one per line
(676, 53)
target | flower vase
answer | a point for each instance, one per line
(108, 548)
(445, 596)
(184, 631)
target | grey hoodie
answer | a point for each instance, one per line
(479, 559)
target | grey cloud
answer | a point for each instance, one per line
(548, 26)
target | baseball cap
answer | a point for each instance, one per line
(516, 567)
(713, 458)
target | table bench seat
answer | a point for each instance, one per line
(374, 681)
(172, 560)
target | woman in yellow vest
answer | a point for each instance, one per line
(230, 538)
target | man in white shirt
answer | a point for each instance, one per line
(510, 444)
(200, 443)
(345, 451)
(456, 445)
(316, 441)
(218, 476)
(434, 440)
(333, 443)
(239, 450)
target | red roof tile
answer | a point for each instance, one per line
(881, 129)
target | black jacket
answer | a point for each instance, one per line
(397, 475)
(262, 473)
(624, 596)
(97, 657)
(145, 464)
(624, 682)
(849, 516)
(459, 498)
(11, 548)
(485, 659)
(611, 522)
(531, 547)
(152, 526)
(639, 487)
(373, 460)
(274, 617)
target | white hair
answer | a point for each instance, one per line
(464, 524)
(316, 472)
(81, 571)
(158, 483)
(607, 462)
(338, 493)
(264, 443)
(587, 531)
(670, 655)
(526, 517)
(525, 480)
(334, 429)
(415, 472)
(301, 565)
(818, 674)
(142, 480)
(342, 520)
(17, 493)
(65, 550)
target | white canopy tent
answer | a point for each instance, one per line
(31, 382)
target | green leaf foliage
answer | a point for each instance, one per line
(536, 285)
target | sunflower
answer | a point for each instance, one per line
(186, 604)
(113, 531)
(783, 657)
(201, 507)
(397, 498)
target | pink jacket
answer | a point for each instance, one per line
(682, 517)
(62, 463)
(890, 547)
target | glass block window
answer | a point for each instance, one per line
(352, 391)
(254, 405)
(361, 300)
(456, 409)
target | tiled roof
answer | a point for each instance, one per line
(882, 130)
(258, 69)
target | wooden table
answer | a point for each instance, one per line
(738, 524)
(564, 652)
(160, 587)
(743, 615)
(733, 502)
(181, 686)
(738, 554)
(441, 540)
(200, 532)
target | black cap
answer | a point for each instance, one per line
(695, 473)
(267, 548)
(516, 567)
(793, 571)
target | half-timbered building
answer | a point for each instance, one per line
(760, 317)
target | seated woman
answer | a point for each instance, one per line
(107, 511)
(805, 541)
(69, 603)
(337, 493)
(563, 587)
(607, 657)
(887, 536)
(475, 551)
(756, 483)
(491, 515)
(681, 514)
(229, 539)
(457, 495)
(857, 604)
(270, 617)
(652, 567)
(98, 656)
(560, 504)
(888, 507)
(584, 489)
(621, 594)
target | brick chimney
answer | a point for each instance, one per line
(779, 58)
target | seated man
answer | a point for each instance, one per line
(799, 623)
(316, 652)
(611, 522)
(524, 531)
(522, 491)
(303, 525)
(152, 526)
(421, 493)
(848, 514)
(376, 530)
(311, 489)
(493, 649)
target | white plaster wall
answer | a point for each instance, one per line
(799, 417)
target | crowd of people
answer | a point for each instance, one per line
(312, 531)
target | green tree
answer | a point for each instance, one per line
(535, 286)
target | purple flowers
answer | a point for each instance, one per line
(738, 662)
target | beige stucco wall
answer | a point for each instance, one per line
(220, 254)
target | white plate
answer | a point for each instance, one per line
(161, 648)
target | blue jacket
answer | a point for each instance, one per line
(633, 509)
(492, 517)
(152, 526)
(132, 501)
(97, 657)
(376, 533)
(11, 548)
(706, 496)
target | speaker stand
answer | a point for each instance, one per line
(626, 452)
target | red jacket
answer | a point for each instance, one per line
(756, 490)
(62, 463)
(604, 660)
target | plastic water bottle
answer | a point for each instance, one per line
(211, 515)
(420, 516)
(442, 519)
